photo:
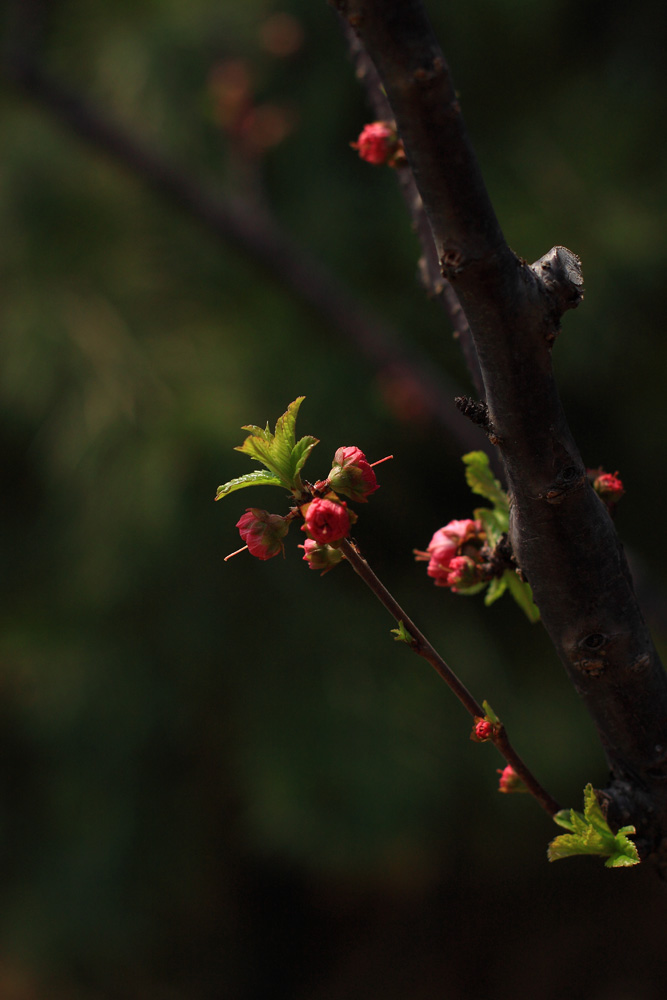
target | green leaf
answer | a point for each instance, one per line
(495, 521)
(301, 451)
(474, 589)
(522, 594)
(258, 478)
(279, 451)
(591, 834)
(497, 588)
(481, 480)
(489, 714)
(401, 634)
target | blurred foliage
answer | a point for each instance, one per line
(196, 802)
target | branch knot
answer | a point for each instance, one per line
(559, 274)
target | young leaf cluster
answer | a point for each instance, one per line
(279, 451)
(495, 519)
(590, 834)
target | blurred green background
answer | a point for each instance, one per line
(225, 780)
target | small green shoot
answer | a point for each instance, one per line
(279, 451)
(495, 519)
(401, 634)
(590, 834)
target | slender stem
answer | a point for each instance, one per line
(423, 648)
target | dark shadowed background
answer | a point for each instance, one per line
(226, 780)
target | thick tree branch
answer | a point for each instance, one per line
(435, 284)
(562, 534)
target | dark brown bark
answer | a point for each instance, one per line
(562, 535)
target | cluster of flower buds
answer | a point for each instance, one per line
(378, 143)
(326, 517)
(607, 486)
(454, 555)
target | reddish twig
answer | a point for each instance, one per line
(423, 648)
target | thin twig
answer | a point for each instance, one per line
(423, 648)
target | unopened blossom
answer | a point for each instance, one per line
(462, 573)
(352, 475)
(262, 532)
(320, 557)
(447, 544)
(482, 730)
(510, 781)
(608, 486)
(378, 143)
(326, 520)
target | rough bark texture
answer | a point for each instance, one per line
(562, 535)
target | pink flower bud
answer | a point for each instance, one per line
(262, 532)
(326, 521)
(446, 545)
(321, 557)
(462, 573)
(352, 475)
(608, 487)
(510, 781)
(378, 143)
(483, 730)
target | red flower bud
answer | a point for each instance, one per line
(322, 557)
(378, 143)
(608, 487)
(352, 475)
(462, 573)
(446, 545)
(483, 730)
(326, 521)
(262, 532)
(510, 781)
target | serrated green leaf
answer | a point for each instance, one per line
(564, 818)
(591, 834)
(624, 860)
(286, 424)
(522, 594)
(570, 844)
(279, 451)
(474, 589)
(401, 634)
(269, 455)
(495, 521)
(260, 477)
(481, 480)
(489, 714)
(497, 588)
(300, 453)
(593, 814)
(260, 432)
